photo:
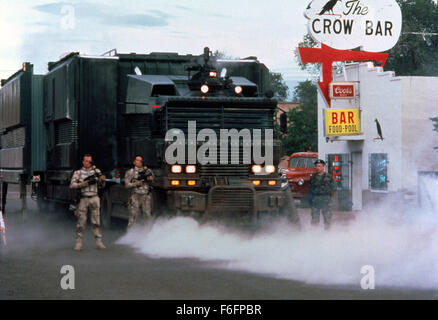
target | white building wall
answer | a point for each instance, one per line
(420, 103)
(380, 98)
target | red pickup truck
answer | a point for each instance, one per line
(298, 172)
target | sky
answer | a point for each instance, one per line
(42, 31)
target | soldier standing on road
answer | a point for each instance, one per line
(321, 188)
(137, 179)
(88, 179)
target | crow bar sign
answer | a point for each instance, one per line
(342, 122)
(374, 25)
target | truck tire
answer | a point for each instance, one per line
(105, 211)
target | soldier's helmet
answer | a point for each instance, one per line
(319, 161)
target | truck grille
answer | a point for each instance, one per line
(235, 156)
(224, 170)
(218, 117)
(234, 199)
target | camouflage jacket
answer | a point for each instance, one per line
(321, 185)
(78, 178)
(131, 177)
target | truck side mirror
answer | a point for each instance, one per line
(283, 122)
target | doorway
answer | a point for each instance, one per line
(339, 168)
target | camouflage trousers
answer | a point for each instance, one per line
(92, 203)
(321, 204)
(136, 202)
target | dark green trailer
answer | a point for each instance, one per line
(80, 108)
(22, 137)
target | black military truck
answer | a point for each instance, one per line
(117, 106)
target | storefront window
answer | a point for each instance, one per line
(378, 171)
(339, 168)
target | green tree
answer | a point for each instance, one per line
(416, 54)
(302, 131)
(312, 68)
(302, 134)
(278, 86)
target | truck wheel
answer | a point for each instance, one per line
(105, 211)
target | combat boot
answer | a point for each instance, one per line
(78, 245)
(99, 244)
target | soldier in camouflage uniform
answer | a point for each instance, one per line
(89, 200)
(140, 191)
(321, 188)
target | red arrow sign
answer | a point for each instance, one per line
(327, 55)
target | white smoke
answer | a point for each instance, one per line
(401, 245)
(429, 194)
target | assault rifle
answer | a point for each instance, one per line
(143, 175)
(94, 177)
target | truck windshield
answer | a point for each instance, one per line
(302, 162)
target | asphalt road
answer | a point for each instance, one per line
(41, 244)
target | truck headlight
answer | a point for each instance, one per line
(176, 168)
(270, 169)
(238, 89)
(300, 182)
(204, 89)
(190, 169)
(256, 168)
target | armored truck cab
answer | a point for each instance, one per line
(213, 97)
